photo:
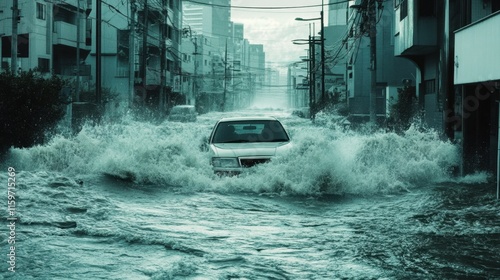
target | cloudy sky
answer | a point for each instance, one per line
(276, 28)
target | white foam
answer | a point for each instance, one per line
(324, 159)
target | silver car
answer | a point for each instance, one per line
(183, 113)
(239, 143)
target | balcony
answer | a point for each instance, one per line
(415, 28)
(65, 34)
(476, 51)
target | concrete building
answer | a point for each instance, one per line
(213, 33)
(298, 85)
(335, 48)
(210, 18)
(60, 37)
(454, 44)
(390, 70)
(49, 36)
(158, 57)
(257, 64)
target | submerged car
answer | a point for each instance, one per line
(243, 142)
(183, 113)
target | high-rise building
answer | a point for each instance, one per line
(211, 19)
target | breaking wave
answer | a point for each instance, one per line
(324, 158)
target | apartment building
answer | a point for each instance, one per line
(50, 36)
(454, 44)
(60, 37)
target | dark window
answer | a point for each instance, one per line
(403, 9)
(88, 33)
(430, 86)
(426, 8)
(250, 131)
(495, 6)
(396, 3)
(43, 65)
(41, 11)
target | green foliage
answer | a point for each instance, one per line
(29, 106)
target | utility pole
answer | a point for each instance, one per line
(225, 80)
(13, 46)
(313, 75)
(144, 48)
(163, 53)
(131, 53)
(373, 60)
(78, 25)
(195, 78)
(98, 54)
(323, 61)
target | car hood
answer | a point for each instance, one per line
(248, 149)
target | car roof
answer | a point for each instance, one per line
(258, 118)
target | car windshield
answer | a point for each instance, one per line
(250, 131)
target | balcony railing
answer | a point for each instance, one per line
(414, 34)
(65, 34)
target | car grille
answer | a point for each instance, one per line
(249, 162)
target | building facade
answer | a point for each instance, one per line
(50, 36)
(137, 50)
(390, 70)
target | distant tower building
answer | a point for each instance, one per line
(257, 63)
(212, 19)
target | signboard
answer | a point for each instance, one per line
(176, 87)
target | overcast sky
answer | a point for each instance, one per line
(276, 28)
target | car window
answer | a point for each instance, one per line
(250, 131)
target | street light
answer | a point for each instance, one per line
(323, 97)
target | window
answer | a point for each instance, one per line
(426, 9)
(41, 11)
(430, 86)
(43, 65)
(122, 53)
(250, 132)
(403, 9)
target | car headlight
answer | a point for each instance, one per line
(225, 162)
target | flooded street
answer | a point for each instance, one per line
(138, 200)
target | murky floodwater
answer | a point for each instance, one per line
(137, 200)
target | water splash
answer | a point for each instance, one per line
(324, 159)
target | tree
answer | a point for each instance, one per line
(29, 105)
(404, 109)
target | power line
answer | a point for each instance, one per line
(267, 8)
